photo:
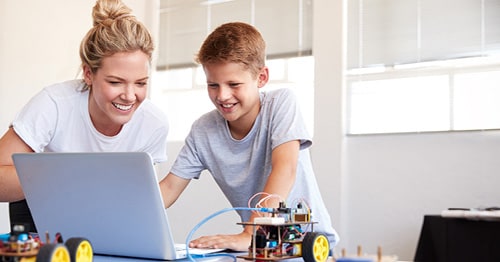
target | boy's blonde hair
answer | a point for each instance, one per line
(115, 30)
(234, 42)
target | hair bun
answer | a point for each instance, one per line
(105, 12)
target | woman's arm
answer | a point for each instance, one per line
(10, 187)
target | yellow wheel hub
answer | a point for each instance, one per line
(60, 254)
(84, 252)
(321, 248)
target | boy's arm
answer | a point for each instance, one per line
(10, 187)
(280, 182)
(284, 161)
(171, 187)
(284, 168)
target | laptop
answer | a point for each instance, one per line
(113, 199)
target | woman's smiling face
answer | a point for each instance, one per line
(117, 89)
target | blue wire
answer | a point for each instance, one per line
(188, 255)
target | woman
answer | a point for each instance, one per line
(107, 110)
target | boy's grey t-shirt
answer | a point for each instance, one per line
(241, 167)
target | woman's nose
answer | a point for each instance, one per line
(128, 93)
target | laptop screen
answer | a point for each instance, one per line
(112, 199)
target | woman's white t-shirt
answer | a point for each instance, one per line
(57, 120)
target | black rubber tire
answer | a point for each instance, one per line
(315, 247)
(53, 253)
(80, 249)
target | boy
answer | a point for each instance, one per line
(252, 143)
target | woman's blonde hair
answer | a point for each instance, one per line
(115, 30)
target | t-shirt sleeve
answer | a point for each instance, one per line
(287, 121)
(36, 121)
(188, 164)
(153, 130)
(158, 145)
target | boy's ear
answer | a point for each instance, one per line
(263, 76)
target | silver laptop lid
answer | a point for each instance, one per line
(112, 199)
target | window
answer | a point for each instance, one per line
(422, 65)
(178, 85)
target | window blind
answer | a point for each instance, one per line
(392, 32)
(286, 26)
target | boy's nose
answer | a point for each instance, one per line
(224, 93)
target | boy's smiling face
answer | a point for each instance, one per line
(235, 93)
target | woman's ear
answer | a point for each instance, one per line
(87, 75)
(263, 76)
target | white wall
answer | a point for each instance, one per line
(393, 180)
(377, 188)
(4, 227)
(327, 150)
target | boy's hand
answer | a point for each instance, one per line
(237, 242)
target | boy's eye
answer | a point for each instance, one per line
(141, 84)
(212, 85)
